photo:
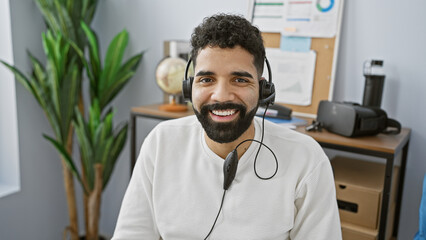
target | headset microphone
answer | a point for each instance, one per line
(230, 168)
(231, 161)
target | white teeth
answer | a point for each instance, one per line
(223, 113)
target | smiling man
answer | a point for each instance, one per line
(225, 96)
(177, 189)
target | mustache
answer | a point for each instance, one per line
(223, 106)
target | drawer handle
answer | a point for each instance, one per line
(347, 206)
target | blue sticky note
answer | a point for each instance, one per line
(295, 44)
(293, 121)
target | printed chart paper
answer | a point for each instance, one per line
(293, 75)
(310, 18)
(268, 15)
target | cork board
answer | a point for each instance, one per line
(322, 89)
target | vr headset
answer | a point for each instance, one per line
(353, 120)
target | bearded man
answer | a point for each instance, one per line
(177, 189)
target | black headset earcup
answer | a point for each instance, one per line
(266, 93)
(187, 89)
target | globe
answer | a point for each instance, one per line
(169, 76)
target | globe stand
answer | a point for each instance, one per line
(173, 106)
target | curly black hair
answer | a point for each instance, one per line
(227, 31)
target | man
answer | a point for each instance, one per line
(176, 190)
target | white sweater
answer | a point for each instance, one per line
(177, 186)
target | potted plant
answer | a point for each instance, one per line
(99, 143)
(57, 88)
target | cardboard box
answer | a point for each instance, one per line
(356, 232)
(359, 188)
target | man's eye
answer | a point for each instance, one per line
(205, 80)
(241, 80)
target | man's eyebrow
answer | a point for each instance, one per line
(204, 73)
(242, 74)
(236, 73)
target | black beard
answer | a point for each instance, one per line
(229, 131)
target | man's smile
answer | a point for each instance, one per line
(224, 115)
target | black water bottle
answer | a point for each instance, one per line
(374, 81)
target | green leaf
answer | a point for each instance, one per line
(68, 160)
(94, 118)
(39, 93)
(98, 143)
(21, 79)
(64, 57)
(113, 60)
(74, 9)
(49, 49)
(131, 64)
(80, 53)
(127, 70)
(84, 6)
(64, 20)
(38, 70)
(69, 96)
(60, 58)
(93, 51)
(43, 94)
(90, 12)
(105, 150)
(69, 5)
(119, 142)
(108, 123)
(48, 13)
(49, 43)
(39, 82)
(109, 94)
(86, 147)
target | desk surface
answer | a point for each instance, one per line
(154, 111)
(381, 142)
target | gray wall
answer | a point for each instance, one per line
(371, 29)
(39, 210)
(396, 32)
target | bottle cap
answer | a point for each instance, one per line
(373, 67)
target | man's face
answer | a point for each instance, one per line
(225, 92)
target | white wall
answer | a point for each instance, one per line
(386, 29)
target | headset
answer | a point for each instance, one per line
(266, 88)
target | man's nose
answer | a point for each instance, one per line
(223, 92)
